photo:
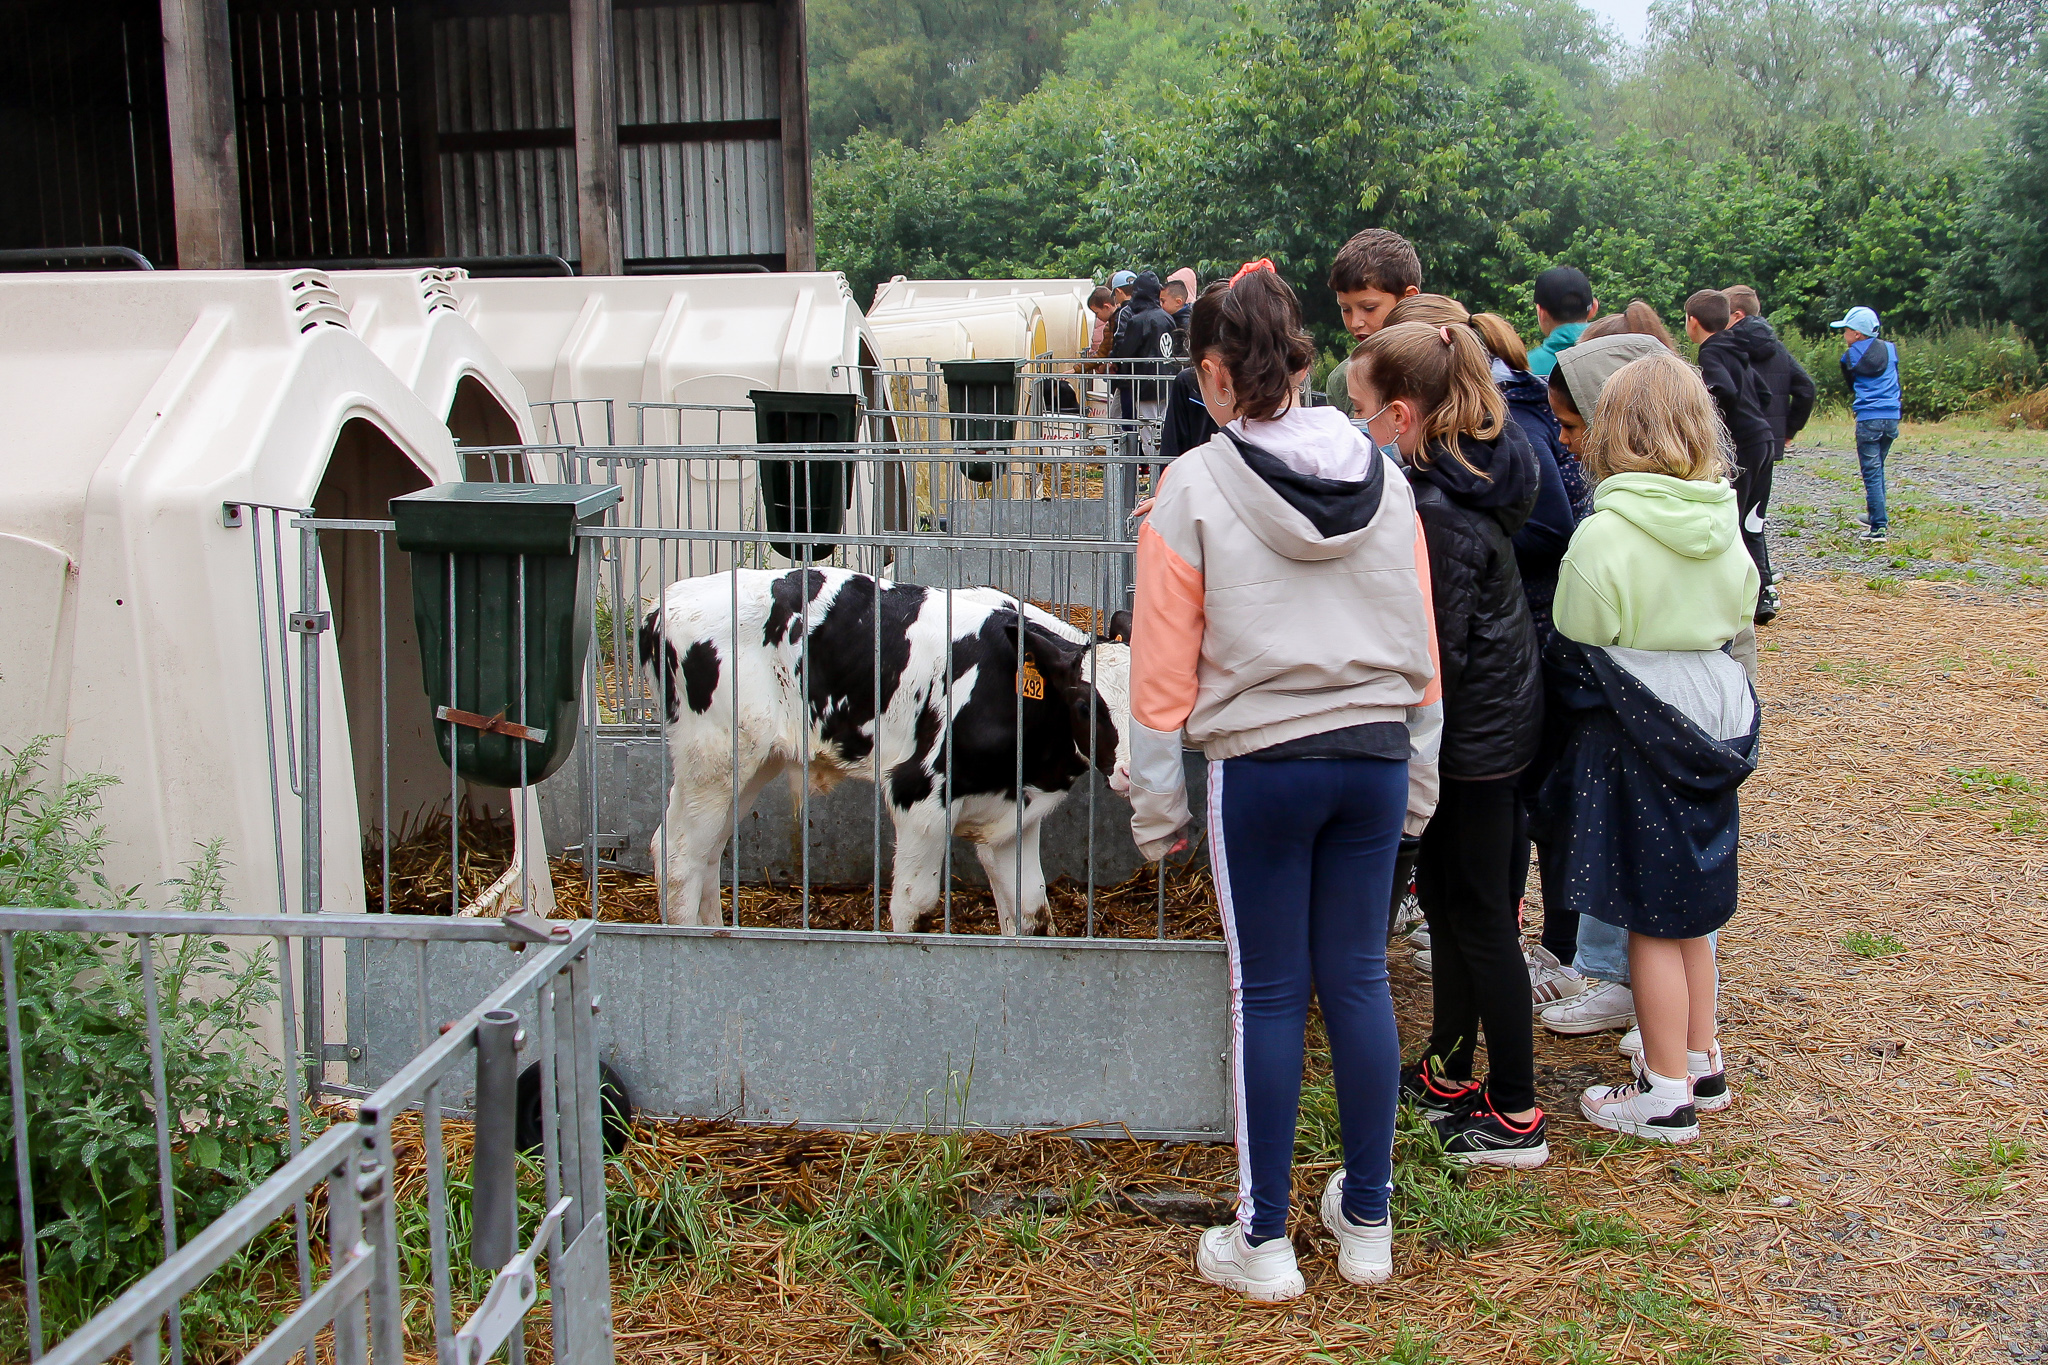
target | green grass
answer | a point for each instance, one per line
(1137, 1344)
(1410, 1346)
(1984, 1177)
(1855, 672)
(1590, 1230)
(1863, 943)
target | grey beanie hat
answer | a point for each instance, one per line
(1588, 366)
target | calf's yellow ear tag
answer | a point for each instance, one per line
(1030, 681)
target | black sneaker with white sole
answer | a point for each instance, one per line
(1482, 1136)
(1437, 1097)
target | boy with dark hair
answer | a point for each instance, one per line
(1743, 400)
(1790, 403)
(1375, 270)
(1871, 370)
(1564, 305)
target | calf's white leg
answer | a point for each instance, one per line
(921, 834)
(698, 825)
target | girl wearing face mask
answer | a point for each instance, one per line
(1430, 397)
(1283, 627)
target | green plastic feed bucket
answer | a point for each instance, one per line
(505, 707)
(984, 386)
(805, 495)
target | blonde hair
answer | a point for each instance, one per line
(1442, 370)
(1501, 338)
(1495, 332)
(1656, 417)
(1434, 309)
(1638, 318)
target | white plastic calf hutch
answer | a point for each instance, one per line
(1063, 304)
(587, 350)
(412, 320)
(163, 423)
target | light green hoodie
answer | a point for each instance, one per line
(1659, 565)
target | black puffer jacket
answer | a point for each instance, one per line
(1491, 669)
(1741, 396)
(1792, 391)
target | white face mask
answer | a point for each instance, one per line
(1390, 449)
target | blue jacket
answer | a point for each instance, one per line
(1641, 802)
(1547, 534)
(1871, 370)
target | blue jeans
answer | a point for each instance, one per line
(1874, 437)
(1303, 854)
(1603, 950)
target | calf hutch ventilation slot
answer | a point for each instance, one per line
(501, 599)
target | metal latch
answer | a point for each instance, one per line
(491, 725)
(513, 1291)
(340, 1052)
(309, 622)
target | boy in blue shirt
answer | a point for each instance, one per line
(1870, 368)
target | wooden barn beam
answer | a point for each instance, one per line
(800, 248)
(199, 89)
(594, 88)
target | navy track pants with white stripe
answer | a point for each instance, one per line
(1303, 852)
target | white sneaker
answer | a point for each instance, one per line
(1550, 981)
(1267, 1273)
(1602, 1005)
(1709, 1077)
(1408, 917)
(1420, 935)
(1365, 1251)
(1425, 963)
(1650, 1106)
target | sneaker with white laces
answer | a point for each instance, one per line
(1365, 1251)
(1407, 917)
(1424, 962)
(1710, 1092)
(1602, 1005)
(1550, 981)
(1649, 1106)
(1266, 1273)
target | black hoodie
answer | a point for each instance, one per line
(1740, 395)
(1144, 343)
(1792, 392)
(1486, 641)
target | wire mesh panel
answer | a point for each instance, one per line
(326, 1222)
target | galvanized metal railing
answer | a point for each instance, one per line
(362, 1298)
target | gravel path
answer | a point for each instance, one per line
(2002, 498)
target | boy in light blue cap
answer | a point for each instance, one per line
(1870, 369)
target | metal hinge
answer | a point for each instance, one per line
(309, 622)
(340, 1052)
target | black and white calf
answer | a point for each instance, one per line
(1071, 696)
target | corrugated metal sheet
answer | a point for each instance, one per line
(321, 123)
(712, 191)
(505, 123)
(86, 160)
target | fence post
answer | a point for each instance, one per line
(309, 622)
(494, 1208)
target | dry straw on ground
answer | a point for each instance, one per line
(1886, 1012)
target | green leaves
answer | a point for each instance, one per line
(92, 1123)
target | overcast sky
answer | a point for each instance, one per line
(1627, 15)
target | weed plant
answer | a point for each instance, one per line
(1863, 943)
(85, 1052)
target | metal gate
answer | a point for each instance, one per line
(349, 1171)
(798, 1005)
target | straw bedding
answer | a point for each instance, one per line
(1849, 1206)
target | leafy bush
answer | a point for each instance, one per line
(85, 1052)
(1949, 370)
